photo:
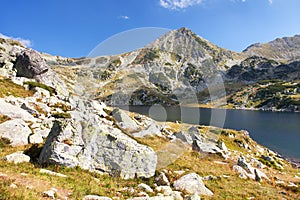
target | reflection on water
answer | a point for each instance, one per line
(279, 131)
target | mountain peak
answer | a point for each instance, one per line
(184, 30)
(186, 43)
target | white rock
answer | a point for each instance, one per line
(166, 190)
(16, 131)
(45, 171)
(36, 138)
(49, 194)
(42, 132)
(15, 112)
(177, 195)
(145, 187)
(13, 186)
(17, 157)
(192, 183)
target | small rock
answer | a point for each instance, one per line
(192, 183)
(13, 186)
(17, 157)
(36, 138)
(45, 171)
(166, 190)
(42, 132)
(162, 179)
(49, 194)
(210, 178)
(176, 195)
(179, 172)
(292, 185)
(193, 197)
(145, 188)
(95, 197)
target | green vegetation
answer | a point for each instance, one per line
(32, 85)
(7, 87)
(61, 115)
(146, 56)
(267, 94)
(3, 118)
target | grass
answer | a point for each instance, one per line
(7, 87)
(32, 85)
(81, 182)
(3, 118)
(61, 115)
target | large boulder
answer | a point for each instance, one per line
(89, 141)
(30, 64)
(15, 131)
(192, 183)
(124, 121)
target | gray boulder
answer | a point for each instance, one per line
(190, 135)
(246, 170)
(91, 143)
(17, 157)
(15, 112)
(29, 64)
(206, 147)
(16, 131)
(124, 121)
(192, 183)
(151, 129)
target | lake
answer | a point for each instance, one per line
(279, 131)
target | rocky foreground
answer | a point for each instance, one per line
(60, 145)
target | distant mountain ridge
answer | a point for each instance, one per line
(286, 48)
(177, 67)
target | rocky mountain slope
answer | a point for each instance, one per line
(58, 140)
(182, 68)
(285, 49)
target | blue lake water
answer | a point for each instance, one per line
(279, 131)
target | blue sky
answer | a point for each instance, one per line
(73, 28)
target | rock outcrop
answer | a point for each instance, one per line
(89, 141)
(16, 131)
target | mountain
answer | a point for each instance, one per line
(281, 49)
(180, 67)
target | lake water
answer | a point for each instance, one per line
(279, 131)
